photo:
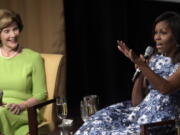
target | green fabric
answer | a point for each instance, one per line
(21, 77)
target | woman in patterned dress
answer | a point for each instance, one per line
(155, 94)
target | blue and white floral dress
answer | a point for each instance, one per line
(123, 119)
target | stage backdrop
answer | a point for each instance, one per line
(43, 26)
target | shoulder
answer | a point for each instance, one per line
(154, 58)
(30, 53)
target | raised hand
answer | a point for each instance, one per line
(123, 48)
(129, 53)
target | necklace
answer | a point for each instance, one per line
(7, 57)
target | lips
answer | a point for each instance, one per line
(12, 40)
(159, 46)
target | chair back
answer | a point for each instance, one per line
(53, 64)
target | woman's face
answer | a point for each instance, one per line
(9, 36)
(164, 38)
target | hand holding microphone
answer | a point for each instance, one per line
(148, 52)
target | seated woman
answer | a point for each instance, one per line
(22, 76)
(160, 77)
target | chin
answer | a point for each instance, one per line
(159, 51)
(14, 46)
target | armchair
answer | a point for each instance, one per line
(159, 128)
(53, 64)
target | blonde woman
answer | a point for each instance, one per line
(22, 76)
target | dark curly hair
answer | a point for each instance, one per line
(173, 20)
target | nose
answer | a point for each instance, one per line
(12, 33)
(157, 37)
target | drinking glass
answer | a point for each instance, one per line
(61, 107)
(177, 124)
(84, 111)
(88, 106)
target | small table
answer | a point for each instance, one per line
(77, 122)
(69, 131)
(73, 114)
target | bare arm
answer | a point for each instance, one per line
(159, 83)
(139, 87)
(17, 108)
(138, 90)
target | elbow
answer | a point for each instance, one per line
(135, 104)
(136, 101)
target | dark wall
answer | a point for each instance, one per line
(94, 65)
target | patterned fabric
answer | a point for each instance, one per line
(123, 119)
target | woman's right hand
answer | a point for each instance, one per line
(122, 47)
(16, 108)
(129, 53)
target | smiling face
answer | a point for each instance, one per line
(9, 36)
(164, 38)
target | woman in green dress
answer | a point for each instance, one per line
(22, 76)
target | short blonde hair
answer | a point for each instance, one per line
(7, 17)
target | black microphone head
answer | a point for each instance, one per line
(148, 52)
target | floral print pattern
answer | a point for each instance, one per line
(123, 119)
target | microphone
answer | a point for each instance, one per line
(148, 52)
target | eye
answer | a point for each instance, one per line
(5, 31)
(163, 32)
(16, 29)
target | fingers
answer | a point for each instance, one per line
(122, 47)
(129, 53)
(143, 59)
(14, 108)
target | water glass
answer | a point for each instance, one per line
(84, 111)
(177, 124)
(61, 108)
(88, 106)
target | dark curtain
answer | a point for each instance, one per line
(94, 65)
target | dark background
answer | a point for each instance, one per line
(94, 65)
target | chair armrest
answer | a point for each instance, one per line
(32, 116)
(145, 128)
